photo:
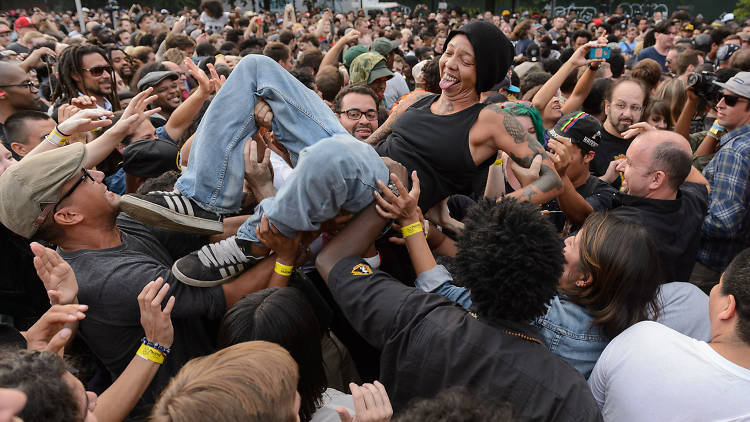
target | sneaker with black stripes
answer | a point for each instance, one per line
(213, 264)
(171, 210)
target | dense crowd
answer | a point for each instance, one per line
(319, 216)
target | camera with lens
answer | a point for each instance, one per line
(703, 84)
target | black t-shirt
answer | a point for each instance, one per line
(429, 343)
(598, 193)
(437, 147)
(674, 225)
(610, 148)
(109, 281)
(22, 294)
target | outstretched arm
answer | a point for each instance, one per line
(522, 147)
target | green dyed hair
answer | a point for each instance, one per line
(524, 108)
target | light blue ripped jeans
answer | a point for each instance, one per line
(333, 170)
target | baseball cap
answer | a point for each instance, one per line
(727, 17)
(688, 27)
(29, 188)
(153, 78)
(532, 52)
(383, 46)
(353, 53)
(739, 84)
(367, 68)
(582, 128)
(22, 22)
(4, 28)
(150, 157)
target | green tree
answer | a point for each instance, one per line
(743, 10)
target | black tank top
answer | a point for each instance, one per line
(437, 147)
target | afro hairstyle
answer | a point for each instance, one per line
(510, 257)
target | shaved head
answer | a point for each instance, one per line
(10, 73)
(669, 152)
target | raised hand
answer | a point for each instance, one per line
(85, 120)
(351, 38)
(56, 274)
(258, 175)
(402, 208)
(371, 404)
(636, 129)
(561, 154)
(205, 85)
(83, 101)
(612, 173)
(440, 215)
(136, 113)
(49, 334)
(156, 322)
(217, 80)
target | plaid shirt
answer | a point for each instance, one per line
(726, 228)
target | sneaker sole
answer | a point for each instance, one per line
(197, 283)
(155, 215)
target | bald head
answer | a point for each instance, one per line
(10, 73)
(669, 152)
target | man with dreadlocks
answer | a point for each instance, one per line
(85, 70)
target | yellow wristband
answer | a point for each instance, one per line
(57, 138)
(285, 270)
(149, 353)
(411, 229)
(498, 162)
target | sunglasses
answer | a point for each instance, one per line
(85, 176)
(28, 84)
(97, 71)
(731, 100)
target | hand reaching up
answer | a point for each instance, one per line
(49, 334)
(156, 322)
(56, 274)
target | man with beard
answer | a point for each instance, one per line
(85, 70)
(167, 91)
(121, 63)
(357, 109)
(17, 93)
(623, 106)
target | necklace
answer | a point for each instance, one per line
(511, 332)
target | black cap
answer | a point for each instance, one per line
(532, 52)
(150, 157)
(153, 78)
(583, 130)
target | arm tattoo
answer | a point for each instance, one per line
(514, 128)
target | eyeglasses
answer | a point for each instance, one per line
(75, 185)
(356, 114)
(622, 106)
(731, 100)
(97, 71)
(28, 84)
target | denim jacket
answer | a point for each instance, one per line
(567, 332)
(566, 328)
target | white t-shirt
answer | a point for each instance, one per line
(331, 400)
(651, 372)
(212, 24)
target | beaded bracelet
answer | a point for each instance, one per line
(156, 346)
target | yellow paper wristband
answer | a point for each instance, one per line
(57, 138)
(411, 229)
(285, 270)
(149, 353)
(498, 162)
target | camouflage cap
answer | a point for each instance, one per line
(353, 53)
(367, 68)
